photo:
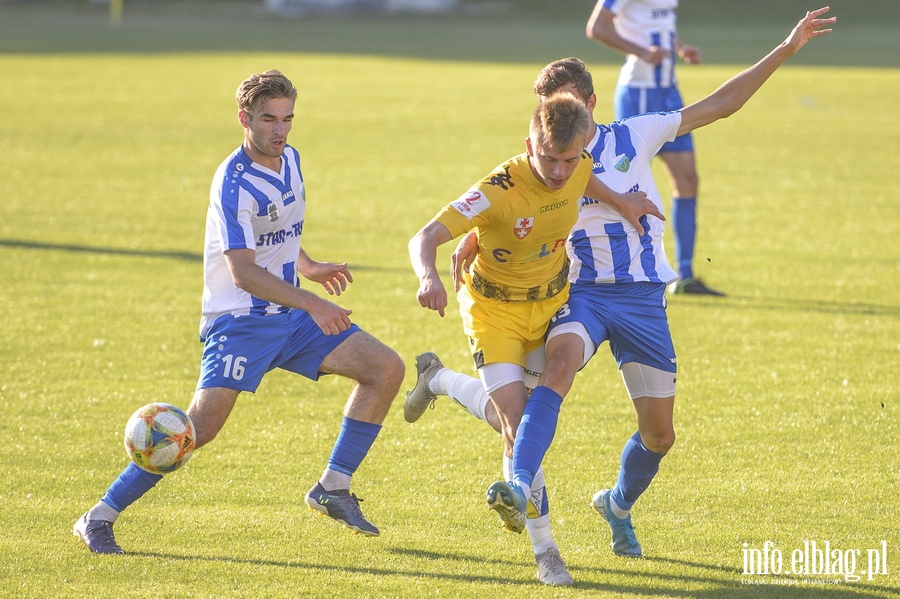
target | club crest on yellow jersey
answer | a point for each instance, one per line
(523, 226)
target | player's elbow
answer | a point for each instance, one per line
(595, 32)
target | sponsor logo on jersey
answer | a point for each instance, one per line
(623, 163)
(523, 226)
(472, 203)
(502, 180)
(599, 168)
(550, 207)
(533, 253)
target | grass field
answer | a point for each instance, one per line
(789, 389)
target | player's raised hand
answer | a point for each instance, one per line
(809, 27)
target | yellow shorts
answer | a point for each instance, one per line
(505, 331)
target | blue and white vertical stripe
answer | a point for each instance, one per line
(603, 246)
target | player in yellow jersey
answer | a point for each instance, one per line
(523, 212)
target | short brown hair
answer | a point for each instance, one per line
(560, 121)
(560, 73)
(258, 89)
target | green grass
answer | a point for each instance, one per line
(789, 389)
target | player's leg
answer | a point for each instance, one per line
(681, 169)
(433, 380)
(639, 464)
(208, 411)
(642, 344)
(680, 162)
(565, 357)
(569, 346)
(378, 372)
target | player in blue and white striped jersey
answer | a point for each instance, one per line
(644, 30)
(600, 248)
(257, 318)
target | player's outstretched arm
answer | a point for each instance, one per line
(734, 93)
(423, 255)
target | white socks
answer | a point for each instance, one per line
(103, 511)
(332, 480)
(465, 390)
(539, 527)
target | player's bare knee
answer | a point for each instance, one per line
(205, 434)
(394, 369)
(660, 442)
(386, 372)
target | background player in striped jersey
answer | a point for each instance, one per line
(257, 318)
(619, 275)
(644, 30)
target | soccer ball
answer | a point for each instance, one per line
(159, 438)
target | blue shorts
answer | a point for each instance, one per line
(239, 351)
(632, 101)
(631, 316)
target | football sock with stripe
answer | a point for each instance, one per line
(537, 523)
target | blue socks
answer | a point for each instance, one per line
(639, 466)
(535, 433)
(352, 445)
(684, 223)
(131, 485)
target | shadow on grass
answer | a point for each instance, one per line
(654, 583)
(738, 302)
(68, 247)
(165, 254)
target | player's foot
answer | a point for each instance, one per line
(552, 569)
(624, 542)
(97, 535)
(421, 396)
(343, 506)
(509, 502)
(693, 286)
